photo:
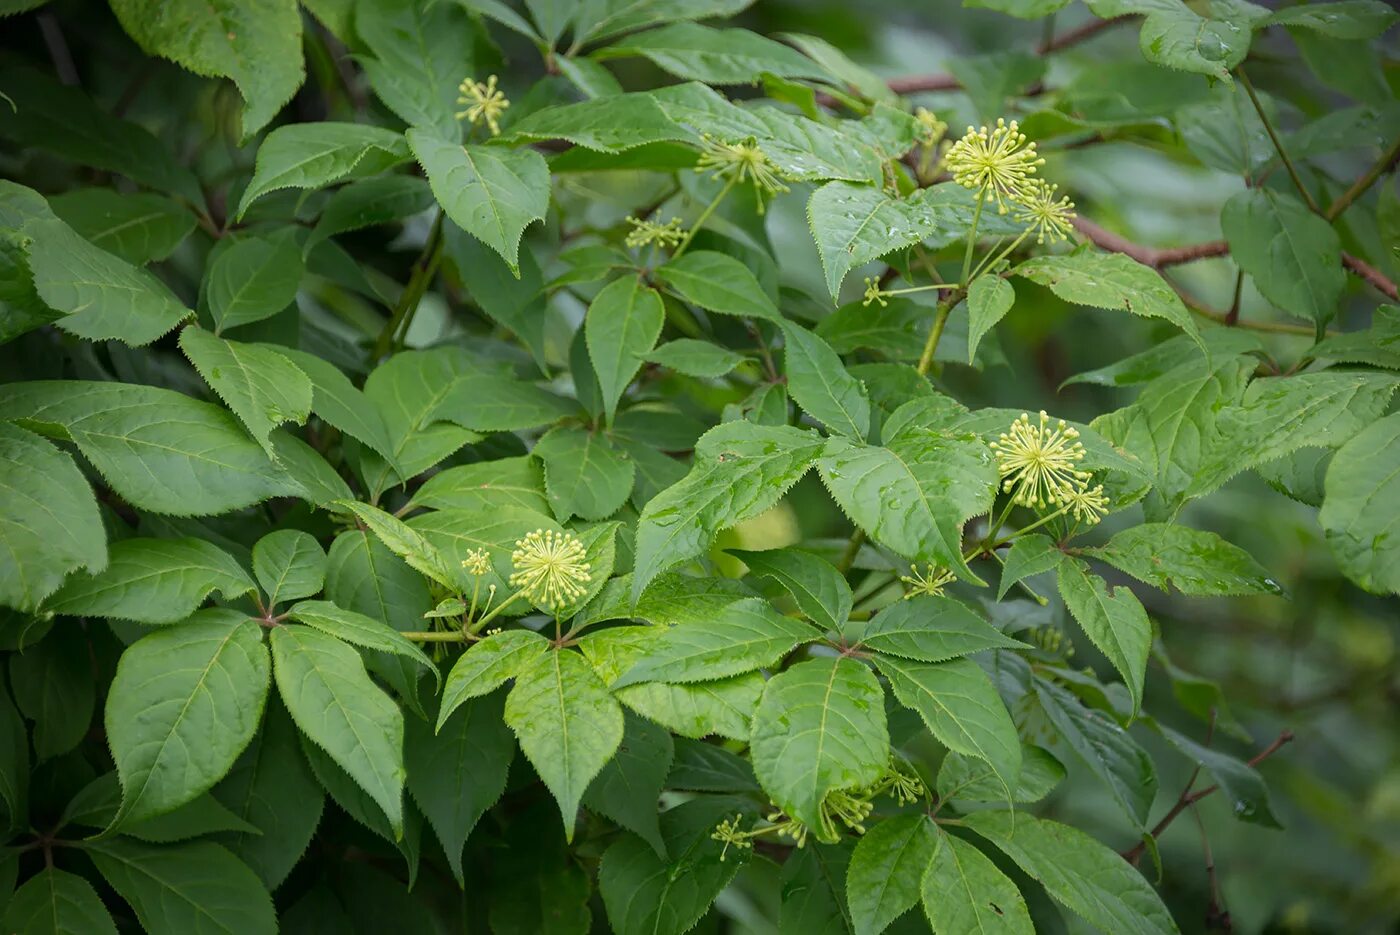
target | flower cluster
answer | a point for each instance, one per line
(741, 162)
(1049, 217)
(477, 563)
(551, 568)
(485, 103)
(930, 583)
(1039, 465)
(996, 163)
(646, 232)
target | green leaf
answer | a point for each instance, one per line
(176, 889)
(1197, 562)
(14, 767)
(962, 709)
(718, 283)
(1378, 345)
(184, 703)
(137, 227)
(568, 725)
(48, 519)
(272, 789)
(359, 630)
(748, 635)
(629, 786)
(289, 564)
(54, 901)
(1359, 509)
(964, 891)
(855, 224)
(263, 388)
(695, 358)
(1347, 19)
(821, 592)
(1113, 619)
(886, 872)
(354, 801)
(974, 780)
(314, 155)
(989, 298)
(707, 767)
(53, 687)
(153, 581)
(1079, 872)
(340, 405)
(421, 52)
(456, 533)
(1108, 751)
(1176, 36)
(256, 45)
(500, 404)
(1222, 343)
(490, 192)
(740, 470)
(821, 385)
(332, 700)
(932, 628)
(714, 56)
(514, 299)
(814, 890)
(819, 727)
(1030, 555)
(913, 494)
(254, 279)
(1112, 281)
(485, 486)
(1242, 786)
(622, 325)
(102, 296)
(646, 894)
(458, 773)
(406, 542)
(487, 665)
(1293, 255)
(369, 202)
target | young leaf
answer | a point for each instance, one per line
(254, 279)
(820, 384)
(622, 325)
(487, 665)
(1359, 508)
(1113, 619)
(718, 283)
(854, 224)
(629, 786)
(964, 891)
(48, 516)
(184, 703)
(962, 709)
(314, 155)
(1111, 281)
(585, 475)
(931, 628)
(821, 592)
(568, 725)
(289, 564)
(820, 726)
(56, 901)
(490, 192)
(695, 358)
(153, 581)
(989, 298)
(359, 630)
(886, 872)
(1079, 872)
(263, 388)
(1030, 555)
(485, 486)
(1196, 562)
(331, 698)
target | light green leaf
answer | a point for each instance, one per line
(336, 400)
(485, 486)
(153, 581)
(359, 630)
(254, 279)
(695, 358)
(407, 543)
(855, 224)
(1378, 345)
(1032, 554)
(821, 592)
(1240, 783)
(622, 325)
(821, 385)
(1079, 872)
(718, 283)
(314, 155)
(1111, 281)
(500, 404)
(820, 726)
(962, 709)
(886, 872)
(369, 202)
(748, 635)
(989, 298)
(974, 780)
(1222, 343)
(1293, 255)
(611, 124)
(491, 192)
(55, 902)
(420, 53)
(48, 519)
(964, 891)
(136, 227)
(714, 56)
(568, 725)
(487, 665)
(407, 390)
(931, 628)
(332, 700)
(1176, 36)
(263, 388)
(740, 470)
(585, 475)
(628, 787)
(1111, 617)
(514, 299)
(103, 296)
(1359, 510)
(456, 533)
(176, 889)
(289, 564)
(1346, 19)
(184, 703)
(1197, 562)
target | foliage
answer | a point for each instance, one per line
(556, 467)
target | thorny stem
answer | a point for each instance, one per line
(1278, 143)
(704, 216)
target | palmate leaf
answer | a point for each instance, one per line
(820, 726)
(184, 703)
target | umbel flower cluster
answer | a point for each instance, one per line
(1000, 165)
(1039, 467)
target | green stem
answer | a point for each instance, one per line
(436, 636)
(935, 334)
(487, 618)
(1382, 165)
(1023, 530)
(972, 236)
(1278, 143)
(418, 282)
(704, 216)
(987, 264)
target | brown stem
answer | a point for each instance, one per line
(1372, 275)
(1278, 143)
(1155, 257)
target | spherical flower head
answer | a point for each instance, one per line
(873, 292)
(477, 563)
(929, 583)
(550, 568)
(1087, 505)
(930, 129)
(732, 834)
(741, 162)
(1039, 462)
(486, 103)
(1049, 217)
(996, 163)
(644, 233)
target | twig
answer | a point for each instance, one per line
(1155, 257)
(1383, 165)
(1372, 275)
(58, 48)
(1278, 143)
